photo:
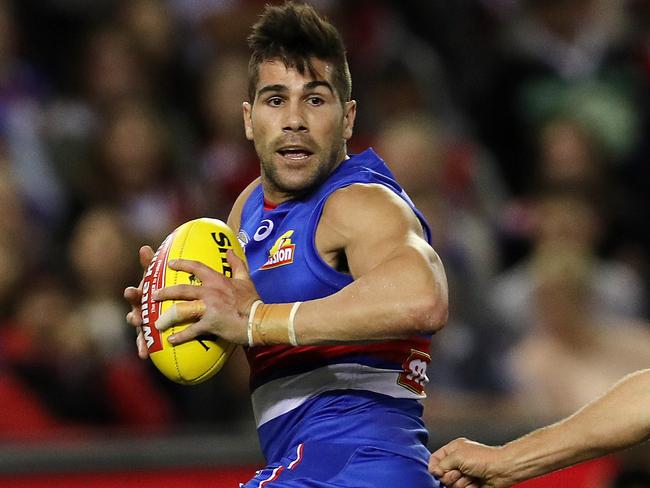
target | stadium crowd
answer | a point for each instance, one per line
(521, 128)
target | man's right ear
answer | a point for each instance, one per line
(247, 110)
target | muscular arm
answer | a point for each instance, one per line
(399, 286)
(618, 419)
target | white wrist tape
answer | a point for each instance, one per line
(251, 316)
(292, 330)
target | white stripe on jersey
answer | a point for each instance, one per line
(299, 451)
(274, 476)
(282, 395)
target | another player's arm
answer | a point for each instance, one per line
(399, 286)
(618, 419)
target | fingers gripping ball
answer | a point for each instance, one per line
(205, 240)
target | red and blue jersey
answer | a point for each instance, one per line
(355, 394)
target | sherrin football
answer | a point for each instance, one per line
(205, 240)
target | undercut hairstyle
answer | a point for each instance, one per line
(295, 34)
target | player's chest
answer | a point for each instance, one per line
(286, 240)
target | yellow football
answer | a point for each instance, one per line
(205, 240)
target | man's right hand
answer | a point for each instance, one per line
(133, 296)
(466, 464)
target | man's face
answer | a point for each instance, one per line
(299, 127)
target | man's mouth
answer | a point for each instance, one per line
(295, 153)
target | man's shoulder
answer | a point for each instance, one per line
(234, 219)
(362, 195)
(366, 204)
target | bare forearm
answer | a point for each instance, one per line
(619, 419)
(405, 297)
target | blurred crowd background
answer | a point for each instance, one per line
(519, 127)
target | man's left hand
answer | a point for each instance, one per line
(219, 306)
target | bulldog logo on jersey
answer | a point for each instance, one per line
(282, 252)
(414, 374)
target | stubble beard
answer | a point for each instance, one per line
(320, 171)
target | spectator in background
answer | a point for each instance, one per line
(12, 265)
(114, 72)
(108, 72)
(15, 252)
(564, 217)
(211, 28)
(23, 92)
(570, 154)
(154, 33)
(51, 358)
(135, 171)
(156, 37)
(18, 252)
(24, 414)
(636, 177)
(458, 193)
(396, 71)
(59, 373)
(100, 264)
(113, 68)
(61, 366)
(16, 226)
(560, 57)
(571, 354)
(617, 420)
(227, 160)
(574, 351)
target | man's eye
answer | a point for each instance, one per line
(315, 101)
(274, 101)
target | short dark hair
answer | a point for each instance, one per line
(296, 33)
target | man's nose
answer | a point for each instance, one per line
(294, 119)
